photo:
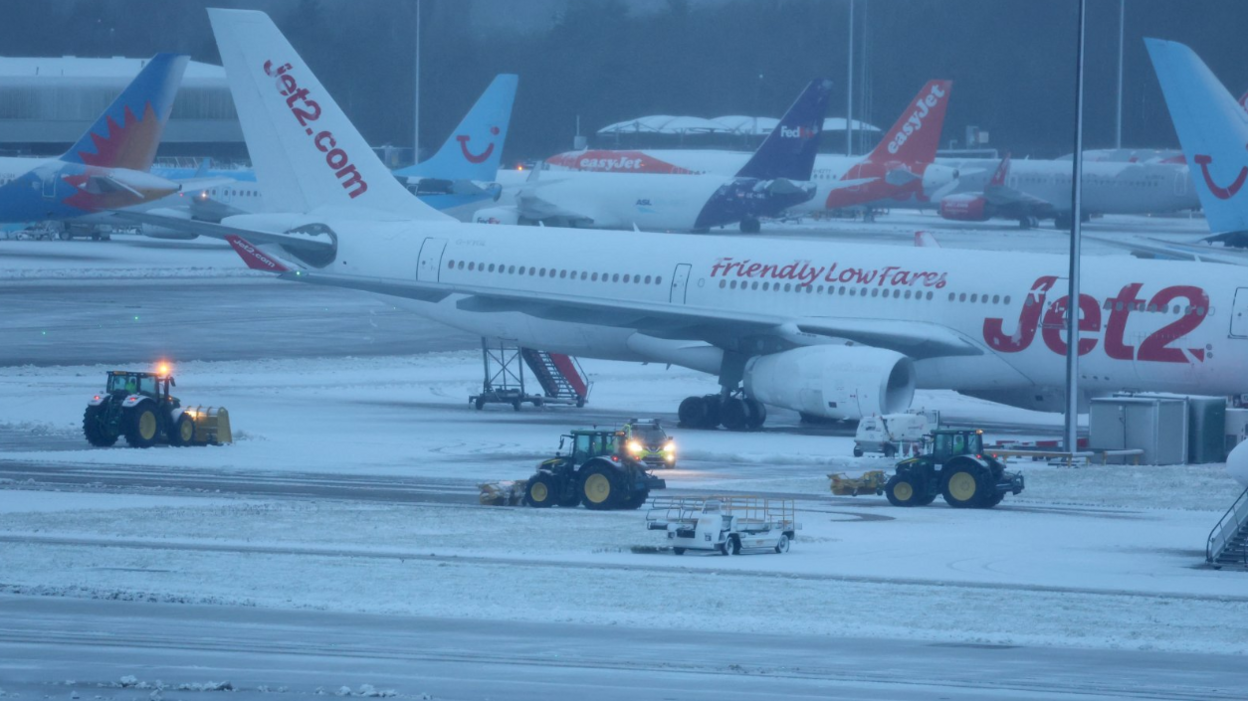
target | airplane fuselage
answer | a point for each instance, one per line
(1146, 325)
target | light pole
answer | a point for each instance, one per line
(416, 111)
(849, 83)
(1076, 230)
(1122, 17)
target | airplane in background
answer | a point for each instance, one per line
(1030, 190)
(900, 171)
(828, 329)
(107, 168)
(772, 180)
(456, 180)
(461, 177)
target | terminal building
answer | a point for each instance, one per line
(47, 103)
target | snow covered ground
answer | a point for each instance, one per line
(1098, 557)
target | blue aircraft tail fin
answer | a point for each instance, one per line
(789, 151)
(127, 134)
(474, 150)
(1212, 128)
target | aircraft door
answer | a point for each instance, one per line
(49, 186)
(1180, 182)
(1239, 314)
(430, 265)
(680, 284)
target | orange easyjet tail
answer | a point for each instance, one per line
(916, 135)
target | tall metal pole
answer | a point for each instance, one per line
(416, 111)
(1076, 231)
(849, 90)
(1122, 17)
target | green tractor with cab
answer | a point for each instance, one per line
(956, 468)
(597, 472)
(139, 407)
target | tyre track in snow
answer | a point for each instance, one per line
(35, 539)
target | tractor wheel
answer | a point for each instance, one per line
(542, 492)
(965, 484)
(902, 490)
(600, 488)
(183, 432)
(692, 412)
(141, 425)
(94, 429)
(992, 501)
(734, 414)
(757, 412)
(782, 546)
(637, 499)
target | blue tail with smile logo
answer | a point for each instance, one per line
(475, 149)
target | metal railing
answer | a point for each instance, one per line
(1227, 528)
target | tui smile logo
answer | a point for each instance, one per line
(463, 140)
(1222, 193)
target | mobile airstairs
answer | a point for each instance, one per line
(1228, 541)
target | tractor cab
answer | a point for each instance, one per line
(590, 443)
(124, 383)
(948, 444)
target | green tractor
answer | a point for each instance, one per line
(138, 406)
(956, 468)
(598, 473)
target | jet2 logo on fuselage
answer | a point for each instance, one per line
(463, 140)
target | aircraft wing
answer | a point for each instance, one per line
(1003, 196)
(662, 320)
(1148, 247)
(533, 206)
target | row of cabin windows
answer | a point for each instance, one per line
(553, 273)
(235, 193)
(1139, 306)
(819, 289)
(976, 297)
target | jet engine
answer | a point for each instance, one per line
(836, 382)
(964, 208)
(938, 178)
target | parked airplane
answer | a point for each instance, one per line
(1212, 128)
(461, 177)
(1040, 189)
(774, 179)
(899, 172)
(108, 167)
(828, 329)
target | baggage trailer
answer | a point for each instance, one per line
(724, 524)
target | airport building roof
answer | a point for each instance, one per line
(47, 101)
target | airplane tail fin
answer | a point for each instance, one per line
(916, 135)
(1000, 174)
(305, 151)
(1212, 128)
(128, 133)
(475, 149)
(789, 151)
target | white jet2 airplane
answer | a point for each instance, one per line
(828, 329)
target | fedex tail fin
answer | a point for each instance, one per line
(916, 135)
(474, 150)
(1212, 128)
(306, 153)
(789, 150)
(127, 134)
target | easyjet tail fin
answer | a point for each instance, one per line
(1213, 129)
(128, 133)
(306, 153)
(1002, 171)
(916, 135)
(789, 150)
(474, 150)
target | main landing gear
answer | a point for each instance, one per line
(734, 412)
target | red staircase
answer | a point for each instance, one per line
(559, 375)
